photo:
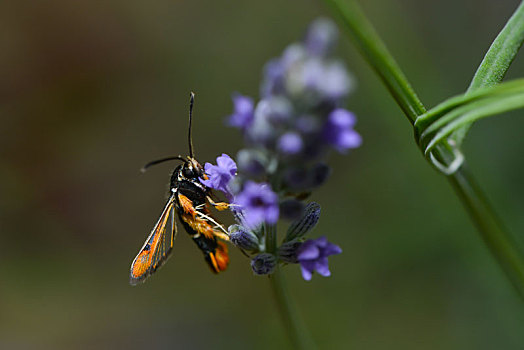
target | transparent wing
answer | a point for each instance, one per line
(157, 247)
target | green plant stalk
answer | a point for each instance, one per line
(499, 242)
(493, 232)
(271, 238)
(295, 327)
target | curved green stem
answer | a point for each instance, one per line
(493, 232)
(500, 243)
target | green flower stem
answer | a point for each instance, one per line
(375, 52)
(295, 327)
(271, 238)
(493, 232)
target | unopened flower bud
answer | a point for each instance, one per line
(243, 238)
(288, 251)
(264, 264)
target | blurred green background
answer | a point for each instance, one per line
(90, 91)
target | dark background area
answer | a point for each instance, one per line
(90, 91)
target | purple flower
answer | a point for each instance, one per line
(312, 256)
(221, 174)
(242, 116)
(339, 132)
(258, 204)
(290, 143)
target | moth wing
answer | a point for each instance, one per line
(157, 247)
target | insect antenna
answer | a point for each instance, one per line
(190, 139)
(158, 161)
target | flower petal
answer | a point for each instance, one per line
(308, 251)
(307, 271)
(321, 266)
(331, 249)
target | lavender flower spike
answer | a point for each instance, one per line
(220, 175)
(258, 203)
(312, 256)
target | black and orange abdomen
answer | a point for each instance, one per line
(200, 229)
(215, 252)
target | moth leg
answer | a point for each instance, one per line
(221, 235)
(220, 205)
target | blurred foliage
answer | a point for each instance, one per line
(90, 91)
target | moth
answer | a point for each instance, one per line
(188, 202)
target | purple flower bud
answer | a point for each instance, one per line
(243, 238)
(321, 37)
(308, 220)
(288, 252)
(258, 203)
(290, 143)
(242, 116)
(339, 132)
(264, 264)
(313, 256)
